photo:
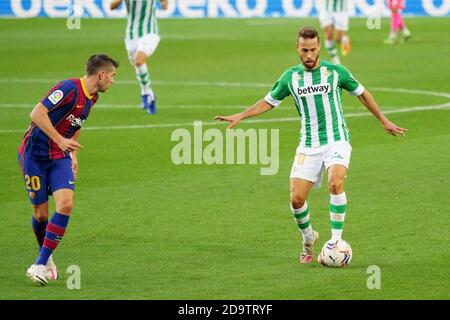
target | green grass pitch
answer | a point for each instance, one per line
(144, 228)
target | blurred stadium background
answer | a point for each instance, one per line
(214, 8)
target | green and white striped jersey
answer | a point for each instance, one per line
(141, 18)
(317, 97)
(335, 5)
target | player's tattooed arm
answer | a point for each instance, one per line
(39, 116)
(114, 4)
(369, 102)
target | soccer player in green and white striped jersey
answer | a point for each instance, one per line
(141, 40)
(334, 15)
(316, 88)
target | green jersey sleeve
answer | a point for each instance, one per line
(349, 83)
(280, 90)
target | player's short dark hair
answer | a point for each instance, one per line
(308, 33)
(99, 61)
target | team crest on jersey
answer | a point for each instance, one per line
(56, 96)
(313, 89)
(297, 77)
(326, 73)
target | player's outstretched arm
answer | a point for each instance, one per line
(114, 4)
(258, 108)
(369, 102)
(39, 116)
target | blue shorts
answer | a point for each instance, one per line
(42, 178)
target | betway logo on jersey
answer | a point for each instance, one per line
(75, 122)
(313, 89)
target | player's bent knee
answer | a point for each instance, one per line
(140, 59)
(297, 200)
(139, 63)
(41, 216)
(64, 206)
(336, 186)
(41, 212)
(329, 33)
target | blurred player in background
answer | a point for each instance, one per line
(397, 22)
(48, 156)
(141, 40)
(316, 87)
(333, 17)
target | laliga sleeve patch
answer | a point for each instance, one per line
(56, 96)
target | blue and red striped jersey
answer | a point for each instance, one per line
(69, 105)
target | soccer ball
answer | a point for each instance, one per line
(337, 254)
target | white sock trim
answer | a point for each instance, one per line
(307, 234)
(145, 88)
(336, 234)
(142, 69)
(338, 199)
(329, 44)
(299, 210)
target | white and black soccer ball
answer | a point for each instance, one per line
(337, 254)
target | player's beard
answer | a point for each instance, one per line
(311, 63)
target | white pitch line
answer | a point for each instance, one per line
(225, 84)
(177, 107)
(413, 91)
(124, 106)
(273, 120)
(187, 107)
(163, 83)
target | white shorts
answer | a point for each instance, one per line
(310, 163)
(146, 44)
(337, 19)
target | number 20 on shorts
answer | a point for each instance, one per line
(32, 183)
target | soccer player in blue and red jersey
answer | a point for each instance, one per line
(48, 156)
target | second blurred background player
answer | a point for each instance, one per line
(141, 40)
(333, 17)
(397, 22)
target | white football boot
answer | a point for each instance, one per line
(51, 272)
(306, 255)
(36, 273)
